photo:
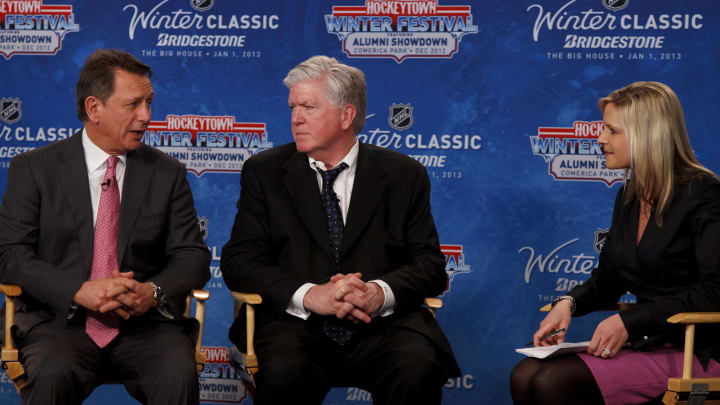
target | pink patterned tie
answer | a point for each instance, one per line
(102, 328)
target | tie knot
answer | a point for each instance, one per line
(112, 162)
(329, 176)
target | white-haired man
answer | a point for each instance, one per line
(338, 238)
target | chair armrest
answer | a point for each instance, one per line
(10, 290)
(695, 317)
(434, 303)
(247, 298)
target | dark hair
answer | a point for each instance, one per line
(97, 77)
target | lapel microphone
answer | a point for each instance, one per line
(105, 184)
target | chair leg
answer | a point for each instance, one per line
(10, 355)
(670, 398)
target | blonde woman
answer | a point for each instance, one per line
(663, 246)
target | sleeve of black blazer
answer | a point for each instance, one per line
(188, 258)
(19, 234)
(247, 263)
(424, 274)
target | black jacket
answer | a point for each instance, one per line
(673, 269)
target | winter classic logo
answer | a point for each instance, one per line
(30, 27)
(400, 29)
(208, 143)
(612, 32)
(565, 268)
(573, 154)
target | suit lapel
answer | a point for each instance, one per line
(138, 175)
(301, 182)
(73, 178)
(368, 190)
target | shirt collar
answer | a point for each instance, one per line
(94, 156)
(350, 159)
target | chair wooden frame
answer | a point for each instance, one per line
(677, 387)
(251, 299)
(11, 356)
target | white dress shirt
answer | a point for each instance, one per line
(342, 186)
(96, 163)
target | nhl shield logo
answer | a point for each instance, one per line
(600, 237)
(615, 5)
(10, 110)
(202, 5)
(401, 116)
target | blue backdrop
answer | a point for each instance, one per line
(497, 99)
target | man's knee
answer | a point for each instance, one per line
(175, 367)
(289, 375)
(48, 363)
(418, 363)
(57, 374)
(290, 369)
(50, 367)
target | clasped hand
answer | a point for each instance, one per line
(119, 293)
(347, 297)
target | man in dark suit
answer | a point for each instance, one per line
(338, 238)
(100, 231)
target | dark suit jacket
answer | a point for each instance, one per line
(280, 241)
(46, 237)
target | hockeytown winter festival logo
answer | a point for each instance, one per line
(29, 27)
(208, 143)
(573, 154)
(400, 29)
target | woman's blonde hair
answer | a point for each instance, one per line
(660, 151)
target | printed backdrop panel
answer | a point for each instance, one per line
(497, 99)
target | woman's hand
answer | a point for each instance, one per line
(558, 318)
(610, 335)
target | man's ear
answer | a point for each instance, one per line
(348, 116)
(93, 108)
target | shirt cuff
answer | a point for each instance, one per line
(296, 307)
(388, 306)
(165, 311)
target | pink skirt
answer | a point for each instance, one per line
(636, 377)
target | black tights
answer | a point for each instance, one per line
(557, 381)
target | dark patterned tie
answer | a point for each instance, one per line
(340, 334)
(332, 212)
